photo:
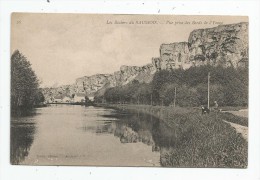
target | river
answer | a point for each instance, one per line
(89, 136)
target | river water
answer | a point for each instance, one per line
(93, 136)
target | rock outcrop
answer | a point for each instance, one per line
(174, 55)
(225, 45)
(90, 84)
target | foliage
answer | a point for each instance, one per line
(25, 92)
(228, 86)
(39, 97)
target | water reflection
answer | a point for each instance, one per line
(75, 135)
(22, 135)
(145, 128)
(136, 126)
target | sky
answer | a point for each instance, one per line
(64, 47)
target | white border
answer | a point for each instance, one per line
(221, 7)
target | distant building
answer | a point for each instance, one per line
(57, 99)
(49, 100)
(91, 98)
(79, 97)
(66, 99)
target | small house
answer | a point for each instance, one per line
(66, 99)
(79, 97)
(91, 98)
(57, 99)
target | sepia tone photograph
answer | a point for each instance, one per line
(129, 90)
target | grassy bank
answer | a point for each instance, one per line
(201, 140)
(167, 112)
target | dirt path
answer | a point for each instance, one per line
(242, 113)
(243, 130)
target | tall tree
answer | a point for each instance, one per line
(24, 82)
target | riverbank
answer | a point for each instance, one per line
(240, 126)
(203, 140)
(167, 112)
(74, 103)
(157, 111)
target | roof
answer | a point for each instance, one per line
(57, 97)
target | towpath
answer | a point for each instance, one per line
(243, 130)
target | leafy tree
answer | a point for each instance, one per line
(167, 93)
(39, 98)
(228, 86)
(144, 92)
(24, 83)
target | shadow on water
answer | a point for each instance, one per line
(22, 136)
(148, 129)
(23, 112)
(134, 126)
(185, 141)
(127, 126)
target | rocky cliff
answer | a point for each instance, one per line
(225, 45)
(174, 55)
(90, 85)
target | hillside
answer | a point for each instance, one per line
(224, 45)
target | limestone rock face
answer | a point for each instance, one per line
(157, 63)
(225, 45)
(90, 84)
(142, 74)
(174, 55)
(58, 93)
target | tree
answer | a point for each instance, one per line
(228, 86)
(39, 98)
(24, 83)
(143, 94)
(167, 93)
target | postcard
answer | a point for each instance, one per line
(129, 90)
